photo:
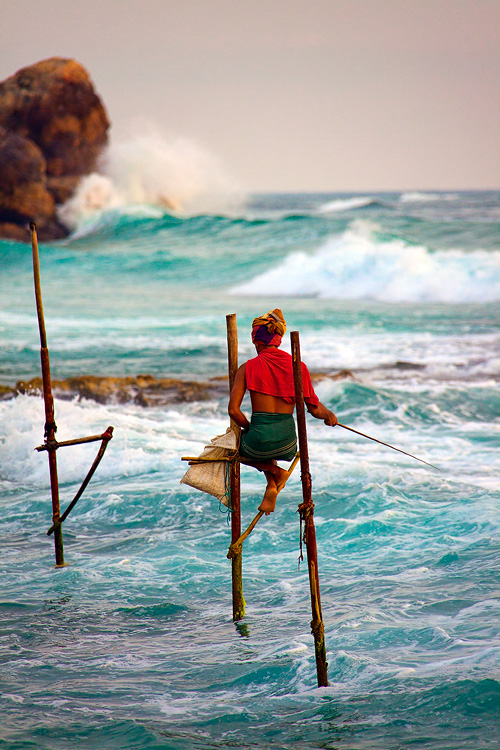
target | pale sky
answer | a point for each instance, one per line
(325, 95)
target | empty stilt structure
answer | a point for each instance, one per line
(51, 445)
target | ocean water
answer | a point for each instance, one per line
(132, 644)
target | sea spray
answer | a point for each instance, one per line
(150, 170)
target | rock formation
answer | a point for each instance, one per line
(143, 390)
(53, 127)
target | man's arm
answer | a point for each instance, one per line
(321, 412)
(236, 397)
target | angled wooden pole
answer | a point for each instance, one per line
(306, 510)
(236, 562)
(105, 437)
(235, 547)
(50, 425)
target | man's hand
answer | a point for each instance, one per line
(331, 420)
(321, 412)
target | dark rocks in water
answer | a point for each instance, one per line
(340, 375)
(7, 392)
(402, 365)
(144, 390)
(53, 128)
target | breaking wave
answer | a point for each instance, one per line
(152, 175)
(360, 264)
(419, 197)
(345, 204)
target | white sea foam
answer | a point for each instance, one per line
(372, 356)
(420, 197)
(149, 171)
(360, 265)
(345, 204)
(143, 442)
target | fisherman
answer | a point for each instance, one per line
(270, 435)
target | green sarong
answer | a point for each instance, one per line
(270, 436)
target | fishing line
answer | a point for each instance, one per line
(351, 429)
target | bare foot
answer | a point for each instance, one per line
(268, 503)
(276, 480)
(281, 478)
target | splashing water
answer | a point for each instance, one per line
(149, 170)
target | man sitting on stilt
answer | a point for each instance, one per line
(270, 435)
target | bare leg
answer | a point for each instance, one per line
(268, 503)
(275, 476)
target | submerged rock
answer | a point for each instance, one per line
(53, 127)
(144, 390)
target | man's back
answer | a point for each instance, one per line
(271, 404)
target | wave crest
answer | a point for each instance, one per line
(420, 197)
(345, 204)
(359, 264)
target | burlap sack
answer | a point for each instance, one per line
(213, 477)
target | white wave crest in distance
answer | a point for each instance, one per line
(345, 204)
(419, 197)
(151, 171)
(359, 265)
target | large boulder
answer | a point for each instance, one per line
(53, 127)
(23, 186)
(53, 103)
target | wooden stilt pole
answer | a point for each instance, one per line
(50, 425)
(306, 510)
(236, 562)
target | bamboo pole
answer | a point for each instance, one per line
(50, 425)
(236, 562)
(306, 510)
(78, 441)
(235, 548)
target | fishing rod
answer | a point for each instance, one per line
(351, 429)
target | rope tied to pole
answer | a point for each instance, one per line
(50, 427)
(305, 510)
(318, 629)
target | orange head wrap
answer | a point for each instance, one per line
(269, 328)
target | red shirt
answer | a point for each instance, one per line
(271, 372)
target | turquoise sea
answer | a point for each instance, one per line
(132, 645)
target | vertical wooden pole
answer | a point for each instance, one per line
(236, 562)
(306, 510)
(50, 425)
